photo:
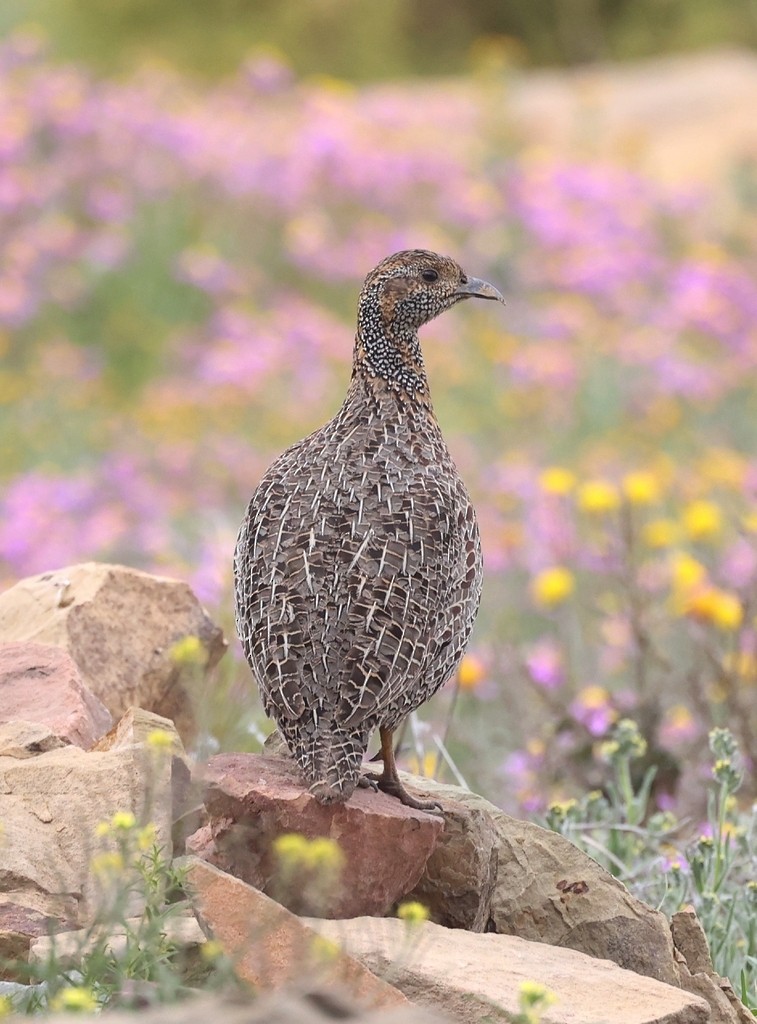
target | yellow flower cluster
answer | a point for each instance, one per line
(190, 650)
(295, 850)
(75, 998)
(552, 586)
(122, 821)
(715, 606)
(702, 520)
(160, 739)
(598, 497)
(534, 999)
(471, 672)
(696, 598)
(558, 481)
(412, 911)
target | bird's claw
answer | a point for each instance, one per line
(368, 782)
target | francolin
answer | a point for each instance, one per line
(358, 565)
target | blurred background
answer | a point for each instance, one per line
(190, 196)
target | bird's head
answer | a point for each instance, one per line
(410, 288)
(401, 294)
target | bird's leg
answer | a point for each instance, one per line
(389, 780)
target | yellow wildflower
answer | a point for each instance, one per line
(211, 950)
(702, 520)
(598, 497)
(324, 853)
(290, 847)
(123, 821)
(108, 863)
(593, 697)
(711, 604)
(660, 533)
(147, 837)
(552, 586)
(6, 1007)
(190, 650)
(749, 522)
(160, 739)
(641, 488)
(412, 911)
(324, 949)
(556, 480)
(320, 853)
(74, 998)
(534, 1000)
(471, 672)
(563, 807)
(532, 992)
(686, 572)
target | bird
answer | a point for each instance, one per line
(358, 565)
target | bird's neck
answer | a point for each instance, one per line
(390, 354)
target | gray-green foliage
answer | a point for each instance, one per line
(670, 863)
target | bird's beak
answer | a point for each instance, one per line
(474, 287)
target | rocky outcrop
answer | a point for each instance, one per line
(253, 800)
(548, 913)
(319, 1006)
(136, 639)
(547, 890)
(271, 947)
(698, 975)
(478, 977)
(50, 807)
(41, 683)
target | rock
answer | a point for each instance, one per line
(140, 728)
(319, 1006)
(477, 977)
(697, 973)
(271, 947)
(689, 939)
(27, 739)
(547, 890)
(41, 683)
(252, 800)
(20, 926)
(182, 931)
(137, 639)
(50, 806)
(458, 882)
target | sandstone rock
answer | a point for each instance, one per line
(319, 1006)
(458, 882)
(477, 977)
(50, 806)
(689, 939)
(121, 627)
(271, 947)
(252, 800)
(183, 931)
(547, 890)
(27, 739)
(20, 926)
(41, 683)
(697, 973)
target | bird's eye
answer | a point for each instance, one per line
(430, 275)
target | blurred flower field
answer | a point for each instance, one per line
(178, 280)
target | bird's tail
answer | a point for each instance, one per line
(333, 767)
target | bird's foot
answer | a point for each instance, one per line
(368, 782)
(393, 787)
